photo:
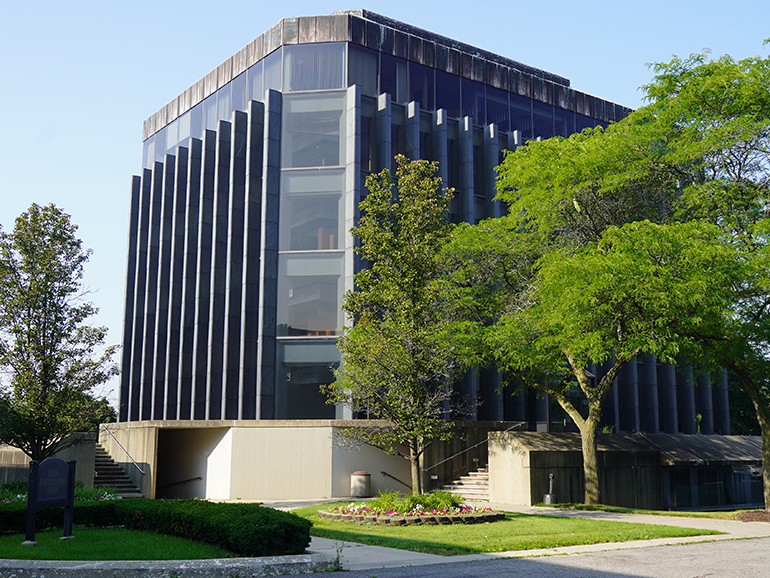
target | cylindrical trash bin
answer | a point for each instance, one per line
(360, 484)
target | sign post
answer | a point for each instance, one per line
(51, 484)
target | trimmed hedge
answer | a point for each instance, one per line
(243, 529)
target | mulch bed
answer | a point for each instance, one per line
(755, 516)
(425, 520)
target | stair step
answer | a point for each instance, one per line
(108, 473)
(473, 486)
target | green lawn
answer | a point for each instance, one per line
(106, 544)
(516, 532)
(719, 515)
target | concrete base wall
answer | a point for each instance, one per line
(519, 472)
(14, 463)
(249, 460)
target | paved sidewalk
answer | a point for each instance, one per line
(355, 556)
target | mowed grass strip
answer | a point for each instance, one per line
(717, 514)
(516, 532)
(107, 544)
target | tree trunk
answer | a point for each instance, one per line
(414, 459)
(588, 433)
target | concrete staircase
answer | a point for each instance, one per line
(474, 487)
(108, 473)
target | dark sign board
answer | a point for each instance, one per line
(51, 484)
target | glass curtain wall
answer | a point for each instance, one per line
(311, 264)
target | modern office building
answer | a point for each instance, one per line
(239, 245)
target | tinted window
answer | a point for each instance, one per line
(393, 78)
(448, 93)
(362, 69)
(543, 119)
(421, 85)
(521, 116)
(473, 101)
(497, 108)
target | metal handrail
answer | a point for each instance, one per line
(470, 448)
(395, 478)
(181, 482)
(121, 447)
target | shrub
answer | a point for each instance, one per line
(243, 529)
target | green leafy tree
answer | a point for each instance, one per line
(716, 115)
(643, 288)
(399, 359)
(47, 352)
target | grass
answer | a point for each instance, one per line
(106, 544)
(516, 532)
(718, 515)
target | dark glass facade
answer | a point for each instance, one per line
(239, 246)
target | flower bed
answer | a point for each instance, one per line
(359, 513)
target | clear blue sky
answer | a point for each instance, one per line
(78, 78)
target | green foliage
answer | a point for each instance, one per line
(13, 490)
(437, 500)
(45, 345)
(243, 529)
(400, 357)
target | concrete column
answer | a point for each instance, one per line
(247, 407)
(685, 399)
(441, 144)
(174, 330)
(234, 268)
(628, 398)
(649, 421)
(468, 204)
(164, 273)
(268, 266)
(412, 131)
(491, 160)
(720, 403)
(667, 399)
(140, 296)
(189, 280)
(128, 304)
(704, 404)
(151, 289)
(351, 196)
(203, 279)
(514, 140)
(384, 154)
(218, 281)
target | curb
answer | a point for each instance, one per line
(221, 567)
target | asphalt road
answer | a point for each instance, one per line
(723, 559)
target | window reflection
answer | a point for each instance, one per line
(239, 92)
(272, 74)
(312, 131)
(362, 69)
(255, 82)
(210, 112)
(313, 66)
(309, 292)
(224, 102)
(312, 212)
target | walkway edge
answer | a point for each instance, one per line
(216, 568)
